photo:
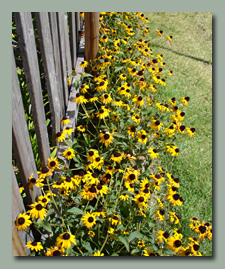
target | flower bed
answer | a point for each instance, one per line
(116, 199)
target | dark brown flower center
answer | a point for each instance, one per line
(66, 236)
(52, 163)
(34, 243)
(21, 221)
(68, 179)
(91, 153)
(177, 243)
(57, 253)
(202, 229)
(166, 235)
(44, 170)
(39, 207)
(117, 154)
(33, 180)
(106, 136)
(90, 219)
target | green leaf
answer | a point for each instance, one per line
(75, 210)
(115, 254)
(120, 135)
(76, 84)
(118, 68)
(134, 235)
(87, 246)
(134, 251)
(87, 75)
(47, 226)
(54, 153)
(124, 240)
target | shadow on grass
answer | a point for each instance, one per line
(181, 54)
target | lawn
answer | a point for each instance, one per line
(189, 56)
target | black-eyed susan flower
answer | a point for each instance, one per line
(37, 211)
(69, 153)
(131, 177)
(33, 181)
(173, 198)
(34, 246)
(185, 100)
(98, 163)
(84, 88)
(98, 253)
(170, 131)
(106, 98)
(23, 222)
(136, 119)
(84, 64)
(160, 214)
(161, 235)
(93, 99)
(92, 155)
(156, 125)
(102, 113)
(91, 233)
(173, 181)
(117, 157)
(57, 184)
(68, 130)
(141, 244)
(124, 197)
(174, 243)
(201, 230)
(169, 38)
(115, 220)
(173, 150)
(190, 131)
(80, 99)
(64, 240)
(81, 128)
(67, 182)
(45, 172)
(153, 153)
(142, 137)
(89, 219)
(44, 199)
(65, 121)
(89, 192)
(129, 186)
(131, 130)
(174, 218)
(60, 137)
(100, 212)
(102, 189)
(54, 251)
(148, 252)
(138, 100)
(53, 164)
(106, 138)
(141, 200)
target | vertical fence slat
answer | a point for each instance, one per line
(60, 17)
(17, 245)
(73, 42)
(67, 45)
(45, 41)
(55, 43)
(91, 35)
(17, 208)
(21, 140)
(27, 46)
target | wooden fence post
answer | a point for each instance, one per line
(91, 22)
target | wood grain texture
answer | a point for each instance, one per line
(27, 46)
(73, 41)
(21, 141)
(17, 208)
(17, 245)
(60, 19)
(45, 41)
(57, 60)
(91, 36)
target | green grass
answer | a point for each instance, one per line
(189, 56)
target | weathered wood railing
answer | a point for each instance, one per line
(61, 52)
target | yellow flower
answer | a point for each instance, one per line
(23, 221)
(64, 240)
(106, 138)
(89, 219)
(36, 246)
(84, 64)
(98, 253)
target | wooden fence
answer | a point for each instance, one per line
(60, 50)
